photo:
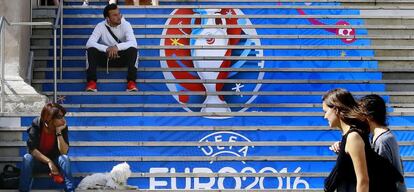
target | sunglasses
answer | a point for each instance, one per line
(59, 116)
(62, 111)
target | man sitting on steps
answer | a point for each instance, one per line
(112, 43)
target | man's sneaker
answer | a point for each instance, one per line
(131, 86)
(91, 86)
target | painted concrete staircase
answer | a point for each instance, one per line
(275, 136)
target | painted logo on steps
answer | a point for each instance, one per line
(214, 34)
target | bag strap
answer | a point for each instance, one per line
(112, 34)
(364, 136)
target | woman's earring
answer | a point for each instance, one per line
(46, 125)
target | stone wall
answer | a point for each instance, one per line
(20, 97)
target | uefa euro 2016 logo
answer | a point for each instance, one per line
(225, 136)
(237, 145)
(211, 37)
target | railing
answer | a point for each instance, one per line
(29, 74)
(46, 3)
(3, 22)
(58, 21)
(58, 24)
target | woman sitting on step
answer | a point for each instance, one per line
(48, 145)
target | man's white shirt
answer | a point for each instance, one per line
(102, 39)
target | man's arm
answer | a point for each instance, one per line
(62, 140)
(40, 157)
(335, 147)
(44, 159)
(94, 38)
(33, 145)
(130, 38)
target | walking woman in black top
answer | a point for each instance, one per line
(342, 111)
(358, 168)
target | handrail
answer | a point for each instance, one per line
(2, 54)
(3, 22)
(59, 21)
(61, 39)
(29, 74)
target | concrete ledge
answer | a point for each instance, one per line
(16, 144)
(145, 36)
(199, 128)
(21, 97)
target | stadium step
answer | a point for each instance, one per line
(168, 142)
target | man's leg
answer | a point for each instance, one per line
(129, 58)
(64, 164)
(26, 174)
(95, 57)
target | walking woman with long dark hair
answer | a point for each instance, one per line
(342, 111)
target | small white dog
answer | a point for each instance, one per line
(116, 179)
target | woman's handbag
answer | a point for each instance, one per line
(9, 178)
(331, 182)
